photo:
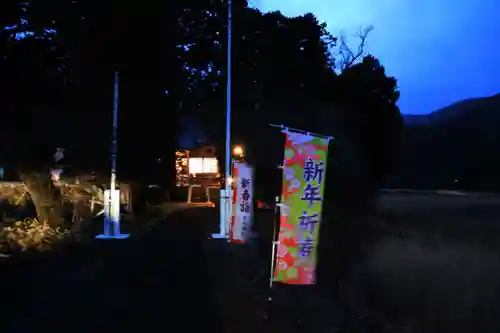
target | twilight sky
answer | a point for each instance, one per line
(441, 51)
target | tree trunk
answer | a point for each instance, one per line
(42, 194)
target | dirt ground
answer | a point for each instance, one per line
(432, 267)
(156, 280)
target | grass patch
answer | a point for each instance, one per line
(432, 265)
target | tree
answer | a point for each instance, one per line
(283, 72)
(96, 41)
(33, 71)
(376, 122)
(174, 58)
(346, 57)
(32, 65)
(57, 56)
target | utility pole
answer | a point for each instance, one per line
(225, 200)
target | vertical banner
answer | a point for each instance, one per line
(241, 221)
(304, 169)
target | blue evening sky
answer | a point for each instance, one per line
(441, 51)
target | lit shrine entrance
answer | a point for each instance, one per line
(198, 169)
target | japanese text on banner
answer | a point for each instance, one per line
(243, 205)
(304, 170)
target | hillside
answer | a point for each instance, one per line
(455, 147)
(482, 108)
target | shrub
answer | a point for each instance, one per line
(30, 234)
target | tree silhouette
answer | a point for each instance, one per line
(172, 58)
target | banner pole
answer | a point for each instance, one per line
(286, 128)
(275, 243)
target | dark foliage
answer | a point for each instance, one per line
(172, 62)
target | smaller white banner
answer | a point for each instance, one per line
(243, 203)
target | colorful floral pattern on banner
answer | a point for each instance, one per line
(304, 170)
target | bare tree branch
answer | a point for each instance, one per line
(345, 55)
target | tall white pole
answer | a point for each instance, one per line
(112, 202)
(225, 199)
(114, 142)
(228, 112)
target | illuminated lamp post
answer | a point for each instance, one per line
(238, 151)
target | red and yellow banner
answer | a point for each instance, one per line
(304, 170)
